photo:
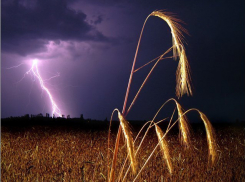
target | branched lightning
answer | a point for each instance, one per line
(15, 66)
(56, 75)
(35, 72)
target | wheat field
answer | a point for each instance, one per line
(45, 153)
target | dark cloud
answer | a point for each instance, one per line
(23, 25)
(24, 46)
(98, 20)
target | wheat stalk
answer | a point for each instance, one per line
(210, 137)
(164, 147)
(129, 140)
(183, 126)
(130, 145)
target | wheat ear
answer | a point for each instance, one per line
(183, 126)
(129, 140)
(164, 147)
(183, 74)
(212, 146)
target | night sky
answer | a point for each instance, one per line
(91, 46)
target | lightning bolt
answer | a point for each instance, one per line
(35, 72)
(14, 66)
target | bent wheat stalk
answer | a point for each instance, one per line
(130, 145)
(164, 147)
(108, 148)
(183, 74)
(129, 140)
(210, 137)
(183, 126)
(183, 122)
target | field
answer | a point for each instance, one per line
(77, 153)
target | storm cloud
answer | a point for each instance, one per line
(26, 26)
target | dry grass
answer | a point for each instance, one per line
(52, 154)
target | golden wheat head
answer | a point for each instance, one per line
(164, 147)
(182, 74)
(183, 126)
(210, 137)
(129, 140)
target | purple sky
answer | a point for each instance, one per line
(91, 45)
